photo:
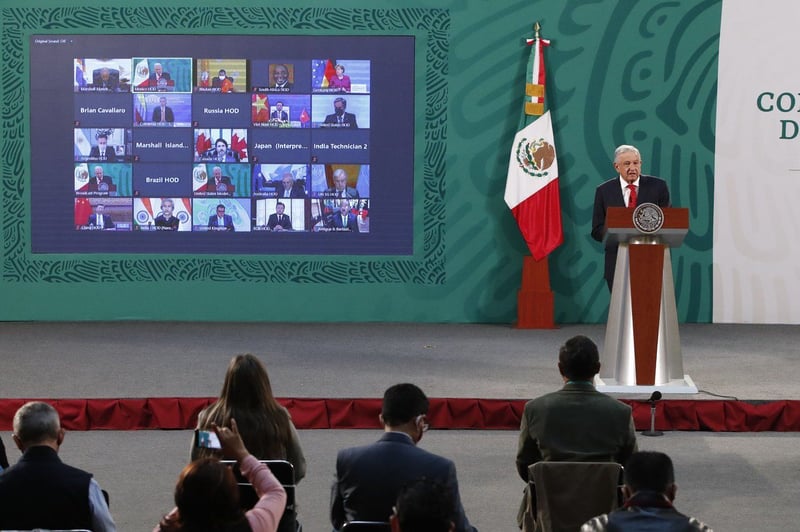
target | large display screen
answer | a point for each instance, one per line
(222, 144)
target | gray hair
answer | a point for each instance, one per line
(625, 148)
(36, 422)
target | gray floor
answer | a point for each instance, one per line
(732, 481)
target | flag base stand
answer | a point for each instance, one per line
(535, 300)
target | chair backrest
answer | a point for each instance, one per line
(284, 472)
(366, 526)
(570, 493)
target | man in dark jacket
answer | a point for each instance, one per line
(40, 491)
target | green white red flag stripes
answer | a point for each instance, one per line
(532, 191)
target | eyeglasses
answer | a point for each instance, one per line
(423, 418)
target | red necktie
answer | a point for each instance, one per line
(632, 197)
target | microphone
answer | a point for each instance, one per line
(656, 395)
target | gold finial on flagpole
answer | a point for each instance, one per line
(536, 28)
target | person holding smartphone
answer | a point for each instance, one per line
(265, 425)
(207, 496)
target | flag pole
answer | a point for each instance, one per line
(535, 299)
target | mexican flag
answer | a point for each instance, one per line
(532, 183)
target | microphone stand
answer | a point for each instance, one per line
(653, 432)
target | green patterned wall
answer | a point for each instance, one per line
(618, 72)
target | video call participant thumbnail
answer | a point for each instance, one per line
(340, 81)
(165, 221)
(340, 188)
(279, 221)
(280, 78)
(220, 153)
(157, 80)
(340, 117)
(219, 184)
(102, 151)
(163, 114)
(101, 183)
(221, 221)
(222, 82)
(290, 188)
(345, 219)
(99, 219)
(105, 80)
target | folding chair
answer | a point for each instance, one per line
(366, 526)
(568, 494)
(284, 472)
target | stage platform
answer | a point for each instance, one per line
(143, 375)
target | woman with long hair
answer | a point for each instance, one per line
(265, 426)
(207, 496)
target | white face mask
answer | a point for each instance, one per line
(222, 77)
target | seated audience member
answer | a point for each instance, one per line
(649, 492)
(265, 426)
(423, 506)
(207, 496)
(369, 478)
(40, 491)
(576, 423)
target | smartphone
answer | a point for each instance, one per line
(207, 439)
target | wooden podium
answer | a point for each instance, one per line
(642, 351)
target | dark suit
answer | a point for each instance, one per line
(348, 120)
(111, 84)
(107, 221)
(284, 221)
(227, 222)
(283, 116)
(229, 156)
(349, 192)
(110, 155)
(211, 185)
(369, 478)
(105, 185)
(297, 191)
(153, 82)
(169, 115)
(609, 194)
(352, 223)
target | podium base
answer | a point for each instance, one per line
(675, 386)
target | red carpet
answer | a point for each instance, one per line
(445, 413)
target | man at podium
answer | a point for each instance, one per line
(629, 189)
